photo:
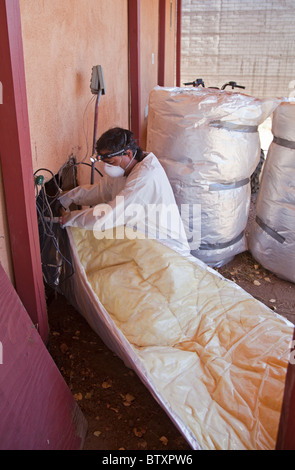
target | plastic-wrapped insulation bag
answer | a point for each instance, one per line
(207, 140)
(272, 237)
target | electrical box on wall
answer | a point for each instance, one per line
(97, 80)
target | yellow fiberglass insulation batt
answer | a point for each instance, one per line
(216, 355)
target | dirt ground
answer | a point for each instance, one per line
(121, 412)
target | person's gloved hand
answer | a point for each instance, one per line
(64, 215)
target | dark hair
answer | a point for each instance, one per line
(116, 139)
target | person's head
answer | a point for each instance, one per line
(117, 148)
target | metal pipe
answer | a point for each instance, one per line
(178, 44)
(94, 135)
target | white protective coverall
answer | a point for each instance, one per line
(144, 201)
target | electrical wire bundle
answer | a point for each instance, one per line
(55, 256)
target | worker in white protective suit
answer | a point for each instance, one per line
(134, 192)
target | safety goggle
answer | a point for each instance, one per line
(106, 156)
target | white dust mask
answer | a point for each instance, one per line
(113, 170)
(116, 171)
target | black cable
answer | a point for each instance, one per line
(52, 174)
(88, 164)
(46, 231)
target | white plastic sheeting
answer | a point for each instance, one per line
(208, 143)
(212, 356)
(272, 238)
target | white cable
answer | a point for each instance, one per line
(86, 133)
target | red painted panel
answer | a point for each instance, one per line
(286, 434)
(134, 67)
(178, 44)
(16, 162)
(37, 409)
(162, 43)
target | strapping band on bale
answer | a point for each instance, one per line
(270, 231)
(219, 246)
(290, 144)
(223, 186)
(231, 126)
